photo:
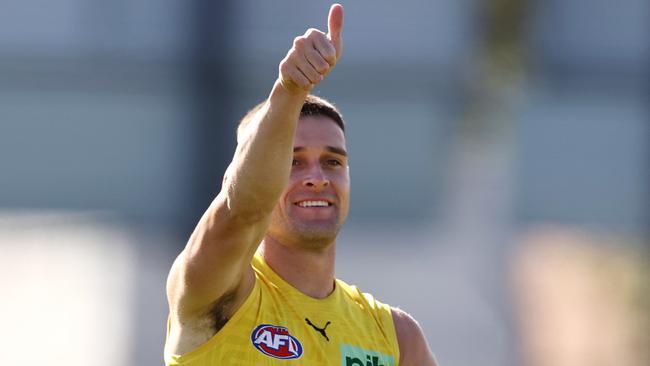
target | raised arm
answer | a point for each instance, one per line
(215, 263)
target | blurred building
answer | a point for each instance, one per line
(118, 118)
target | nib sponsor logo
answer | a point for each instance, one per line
(355, 356)
(275, 341)
(370, 361)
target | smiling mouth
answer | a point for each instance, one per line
(318, 203)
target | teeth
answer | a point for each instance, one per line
(313, 204)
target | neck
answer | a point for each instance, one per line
(309, 271)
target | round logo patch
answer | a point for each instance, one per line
(275, 341)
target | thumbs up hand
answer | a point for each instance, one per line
(313, 55)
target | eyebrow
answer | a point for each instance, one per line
(333, 149)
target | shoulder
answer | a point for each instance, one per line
(413, 346)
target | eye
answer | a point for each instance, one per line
(295, 162)
(334, 162)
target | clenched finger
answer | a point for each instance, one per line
(291, 77)
(326, 49)
(307, 69)
(317, 61)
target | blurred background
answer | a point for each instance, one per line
(500, 162)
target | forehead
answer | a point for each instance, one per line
(318, 131)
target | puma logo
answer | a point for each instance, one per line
(319, 330)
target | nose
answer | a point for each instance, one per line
(316, 179)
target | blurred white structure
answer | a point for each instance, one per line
(67, 285)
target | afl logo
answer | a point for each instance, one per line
(275, 341)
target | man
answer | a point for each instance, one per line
(255, 284)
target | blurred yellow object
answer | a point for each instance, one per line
(581, 300)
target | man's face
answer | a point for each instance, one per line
(315, 203)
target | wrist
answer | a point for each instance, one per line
(281, 89)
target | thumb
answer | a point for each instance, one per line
(335, 26)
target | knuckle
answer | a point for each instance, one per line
(310, 32)
(285, 68)
(283, 65)
(330, 54)
(313, 32)
(322, 67)
(299, 42)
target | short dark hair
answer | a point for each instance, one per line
(313, 106)
(317, 106)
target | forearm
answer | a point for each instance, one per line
(262, 162)
(225, 238)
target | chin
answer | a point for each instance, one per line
(304, 232)
(317, 232)
(315, 235)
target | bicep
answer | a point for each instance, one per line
(413, 347)
(216, 259)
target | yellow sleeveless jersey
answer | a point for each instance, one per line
(279, 325)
